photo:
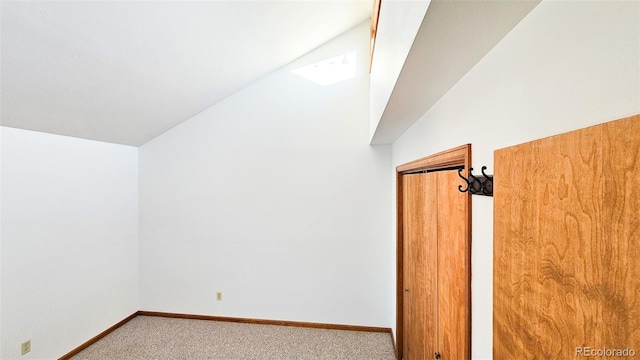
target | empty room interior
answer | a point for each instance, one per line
(305, 163)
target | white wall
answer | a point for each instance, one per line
(275, 198)
(567, 65)
(398, 25)
(69, 240)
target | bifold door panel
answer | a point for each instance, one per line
(420, 254)
(436, 267)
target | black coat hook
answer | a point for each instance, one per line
(487, 184)
(477, 185)
(465, 180)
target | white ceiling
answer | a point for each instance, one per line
(126, 71)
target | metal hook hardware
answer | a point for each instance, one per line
(465, 180)
(477, 185)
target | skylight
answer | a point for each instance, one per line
(330, 71)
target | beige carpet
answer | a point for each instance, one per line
(146, 337)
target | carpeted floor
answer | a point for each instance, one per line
(146, 338)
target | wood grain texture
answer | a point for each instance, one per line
(567, 243)
(420, 269)
(399, 345)
(453, 269)
(459, 156)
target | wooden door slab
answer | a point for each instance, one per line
(567, 244)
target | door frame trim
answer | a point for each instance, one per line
(458, 156)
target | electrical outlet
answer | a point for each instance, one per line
(25, 347)
(219, 296)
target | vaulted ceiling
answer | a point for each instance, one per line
(126, 71)
(452, 38)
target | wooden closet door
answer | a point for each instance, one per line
(567, 244)
(420, 249)
(433, 237)
(454, 318)
(436, 267)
